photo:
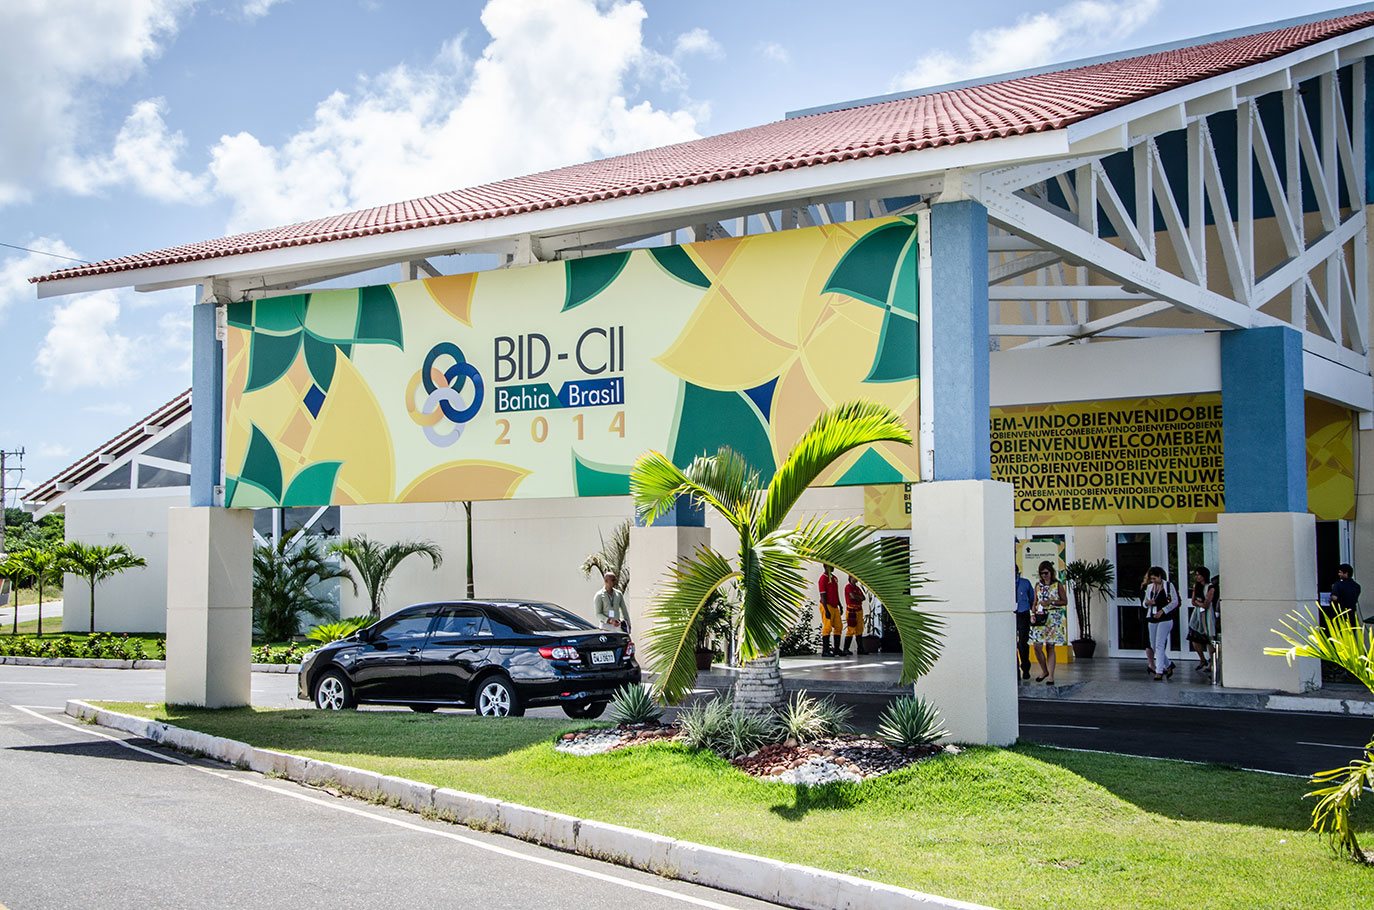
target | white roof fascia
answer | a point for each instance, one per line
(1084, 129)
(688, 203)
(1336, 382)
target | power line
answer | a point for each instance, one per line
(46, 253)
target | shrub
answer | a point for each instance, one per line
(803, 638)
(747, 732)
(333, 631)
(805, 718)
(910, 721)
(635, 705)
(706, 725)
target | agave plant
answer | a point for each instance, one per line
(1346, 643)
(770, 560)
(326, 632)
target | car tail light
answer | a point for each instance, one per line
(559, 652)
(629, 650)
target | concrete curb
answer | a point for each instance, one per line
(791, 885)
(108, 664)
(1278, 701)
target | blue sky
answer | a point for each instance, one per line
(131, 125)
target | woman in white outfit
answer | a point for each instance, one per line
(1161, 610)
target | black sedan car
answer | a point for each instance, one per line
(499, 657)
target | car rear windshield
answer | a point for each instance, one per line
(535, 618)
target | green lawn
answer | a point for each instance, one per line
(1023, 827)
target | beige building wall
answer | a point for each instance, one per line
(133, 601)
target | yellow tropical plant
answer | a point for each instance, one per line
(1345, 643)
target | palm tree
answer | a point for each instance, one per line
(1341, 640)
(12, 571)
(43, 566)
(96, 562)
(285, 576)
(769, 564)
(611, 557)
(375, 562)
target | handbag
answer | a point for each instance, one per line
(1039, 617)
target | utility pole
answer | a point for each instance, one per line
(19, 453)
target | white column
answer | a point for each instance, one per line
(652, 551)
(1268, 570)
(961, 533)
(209, 606)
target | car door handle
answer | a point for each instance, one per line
(413, 651)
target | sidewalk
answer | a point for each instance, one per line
(1118, 680)
(52, 609)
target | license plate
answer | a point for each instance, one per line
(603, 657)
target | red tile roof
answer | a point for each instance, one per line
(1011, 107)
(87, 465)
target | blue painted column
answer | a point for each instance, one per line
(684, 514)
(1264, 437)
(207, 397)
(1266, 540)
(959, 335)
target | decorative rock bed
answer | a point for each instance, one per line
(847, 757)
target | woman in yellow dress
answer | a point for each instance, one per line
(1049, 622)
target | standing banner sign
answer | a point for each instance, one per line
(551, 380)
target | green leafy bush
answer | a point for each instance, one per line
(100, 646)
(803, 638)
(635, 705)
(267, 654)
(333, 631)
(806, 719)
(910, 721)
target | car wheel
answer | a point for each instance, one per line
(497, 698)
(333, 693)
(423, 709)
(585, 710)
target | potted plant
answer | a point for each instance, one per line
(1085, 580)
(714, 623)
(872, 642)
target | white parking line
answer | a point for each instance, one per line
(395, 822)
(1331, 745)
(1061, 726)
(20, 682)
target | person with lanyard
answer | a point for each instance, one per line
(610, 607)
(853, 615)
(1345, 593)
(1025, 593)
(830, 612)
(1161, 602)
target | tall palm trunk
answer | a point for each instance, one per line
(467, 507)
(758, 690)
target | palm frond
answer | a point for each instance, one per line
(1344, 642)
(676, 613)
(774, 596)
(656, 484)
(836, 431)
(728, 478)
(612, 556)
(850, 547)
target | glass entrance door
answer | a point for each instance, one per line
(1180, 550)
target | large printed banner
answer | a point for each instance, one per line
(1134, 461)
(551, 380)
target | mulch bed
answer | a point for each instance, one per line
(847, 757)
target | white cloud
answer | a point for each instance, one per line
(18, 268)
(82, 349)
(173, 339)
(697, 41)
(1074, 30)
(55, 52)
(144, 156)
(113, 408)
(256, 9)
(774, 51)
(53, 450)
(555, 85)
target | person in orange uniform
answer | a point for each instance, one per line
(853, 615)
(830, 613)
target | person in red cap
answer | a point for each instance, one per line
(853, 615)
(830, 613)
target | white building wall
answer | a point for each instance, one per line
(133, 601)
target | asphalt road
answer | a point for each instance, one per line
(92, 818)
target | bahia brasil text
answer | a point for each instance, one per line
(598, 352)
